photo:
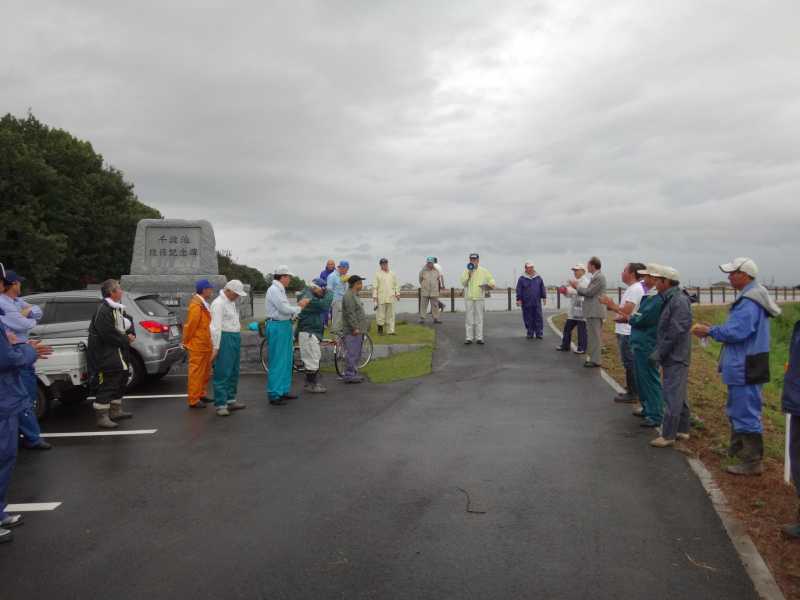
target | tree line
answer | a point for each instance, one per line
(68, 219)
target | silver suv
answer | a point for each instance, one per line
(158, 333)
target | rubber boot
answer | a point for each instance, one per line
(736, 444)
(317, 387)
(309, 381)
(117, 414)
(751, 455)
(103, 421)
(792, 530)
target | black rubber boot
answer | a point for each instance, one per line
(735, 447)
(751, 455)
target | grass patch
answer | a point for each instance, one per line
(406, 333)
(407, 365)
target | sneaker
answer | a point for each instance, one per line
(289, 396)
(421, 321)
(317, 388)
(638, 411)
(356, 379)
(6, 536)
(223, 411)
(12, 521)
(277, 402)
(529, 336)
(198, 404)
(560, 349)
(682, 436)
(437, 322)
(648, 422)
(480, 342)
(591, 365)
(539, 337)
(467, 342)
(661, 442)
(579, 351)
(40, 445)
(236, 405)
(625, 398)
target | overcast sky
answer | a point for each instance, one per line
(549, 131)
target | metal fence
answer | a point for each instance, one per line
(504, 299)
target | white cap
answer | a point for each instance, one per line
(652, 269)
(283, 270)
(528, 264)
(578, 268)
(669, 273)
(743, 264)
(237, 287)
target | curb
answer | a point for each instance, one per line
(754, 564)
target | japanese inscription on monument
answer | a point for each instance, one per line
(172, 249)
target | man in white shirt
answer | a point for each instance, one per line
(226, 344)
(628, 304)
(280, 337)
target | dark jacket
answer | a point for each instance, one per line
(310, 320)
(791, 381)
(353, 315)
(531, 290)
(674, 344)
(13, 395)
(644, 324)
(109, 348)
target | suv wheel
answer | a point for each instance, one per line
(136, 372)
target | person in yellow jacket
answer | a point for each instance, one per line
(197, 341)
(385, 293)
(476, 281)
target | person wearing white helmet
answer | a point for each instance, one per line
(280, 337)
(226, 344)
(744, 362)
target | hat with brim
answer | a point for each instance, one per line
(578, 268)
(743, 264)
(354, 279)
(282, 270)
(652, 269)
(203, 284)
(237, 287)
(474, 255)
(669, 273)
(318, 282)
(11, 277)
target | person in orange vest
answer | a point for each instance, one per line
(197, 342)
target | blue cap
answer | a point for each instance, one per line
(12, 277)
(344, 263)
(203, 284)
(320, 282)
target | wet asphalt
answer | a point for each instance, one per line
(507, 473)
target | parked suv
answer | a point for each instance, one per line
(158, 334)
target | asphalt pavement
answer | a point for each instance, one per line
(507, 473)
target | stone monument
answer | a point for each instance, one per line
(169, 256)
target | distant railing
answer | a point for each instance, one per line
(707, 295)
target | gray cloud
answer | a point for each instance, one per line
(547, 131)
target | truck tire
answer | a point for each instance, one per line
(137, 372)
(43, 402)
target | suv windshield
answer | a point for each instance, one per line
(152, 307)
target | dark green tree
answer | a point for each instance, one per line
(67, 219)
(233, 270)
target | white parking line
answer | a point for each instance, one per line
(33, 506)
(99, 433)
(146, 397)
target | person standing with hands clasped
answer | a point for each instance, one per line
(744, 362)
(385, 293)
(430, 279)
(531, 294)
(355, 324)
(280, 337)
(197, 342)
(477, 281)
(110, 336)
(226, 341)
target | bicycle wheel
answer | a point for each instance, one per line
(339, 356)
(366, 351)
(263, 355)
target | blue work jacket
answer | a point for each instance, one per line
(13, 395)
(745, 333)
(791, 381)
(531, 290)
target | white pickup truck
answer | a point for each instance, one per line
(64, 374)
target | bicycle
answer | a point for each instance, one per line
(335, 346)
